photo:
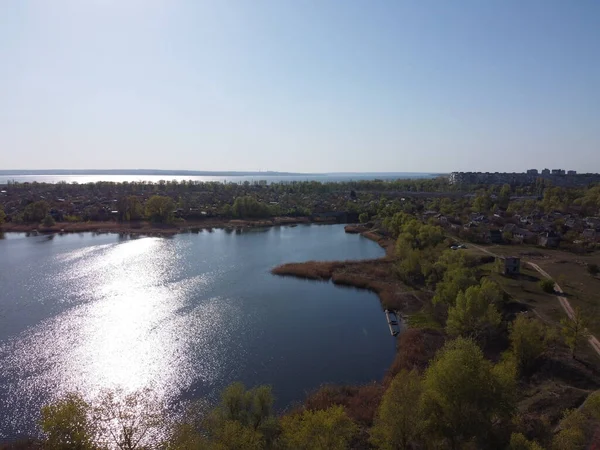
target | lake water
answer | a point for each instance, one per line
(185, 315)
(324, 178)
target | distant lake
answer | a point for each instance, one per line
(221, 179)
(185, 315)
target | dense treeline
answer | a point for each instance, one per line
(460, 401)
(127, 201)
(438, 184)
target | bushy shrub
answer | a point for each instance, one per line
(547, 286)
(48, 221)
(593, 268)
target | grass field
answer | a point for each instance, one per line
(567, 269)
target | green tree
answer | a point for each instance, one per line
(449, 259)
(463, 394)
(129, 208)
(574, 330)
(520, 442)
(251, 409)
(482, 203)
(475, 312)
(67, 424)
(454, 281)
(2, 216)
(363, 217)
(571, 435)
(160, 208)
(48, 221)
(243, 420)
(528, 340)
(186, 436)
(504, 197)
(249, 207)
(36, 211)
(397, 425)
(394, 223)
(232, 435)
(429, 236)
(578, 427)
(329, 429)
(547, 286)
(409, 265)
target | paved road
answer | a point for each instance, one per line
(594, 342)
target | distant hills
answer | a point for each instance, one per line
(207, 173)
(152, 172)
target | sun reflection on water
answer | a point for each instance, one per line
(132, 325)
(183, 316)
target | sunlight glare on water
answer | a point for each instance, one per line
(183, 316)
(127, 332)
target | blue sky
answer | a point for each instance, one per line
(302, 85)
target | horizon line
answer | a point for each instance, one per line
(187, 172)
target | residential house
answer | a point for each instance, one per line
(592, 222)
(524, 235)
(526, 220)
(549, 239)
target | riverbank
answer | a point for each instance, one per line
(157, 229)
(376, 275)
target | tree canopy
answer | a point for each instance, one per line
(474, 312)
(160, 208)
(455, 280)
(249, 207)
(463, 394)
(329, 429)
(67, 425)
(36, 211)
(528, 339)
(397, 424)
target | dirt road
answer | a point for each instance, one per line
(593, 341)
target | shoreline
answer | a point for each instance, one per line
(375, 275)
(156, 229)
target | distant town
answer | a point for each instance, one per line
(558, 177)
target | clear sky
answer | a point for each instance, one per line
(300, 85)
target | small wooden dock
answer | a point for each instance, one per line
(392, 321)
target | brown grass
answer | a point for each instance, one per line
(310, 270)
(355, 229)
(416, 348)
(376, 275)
